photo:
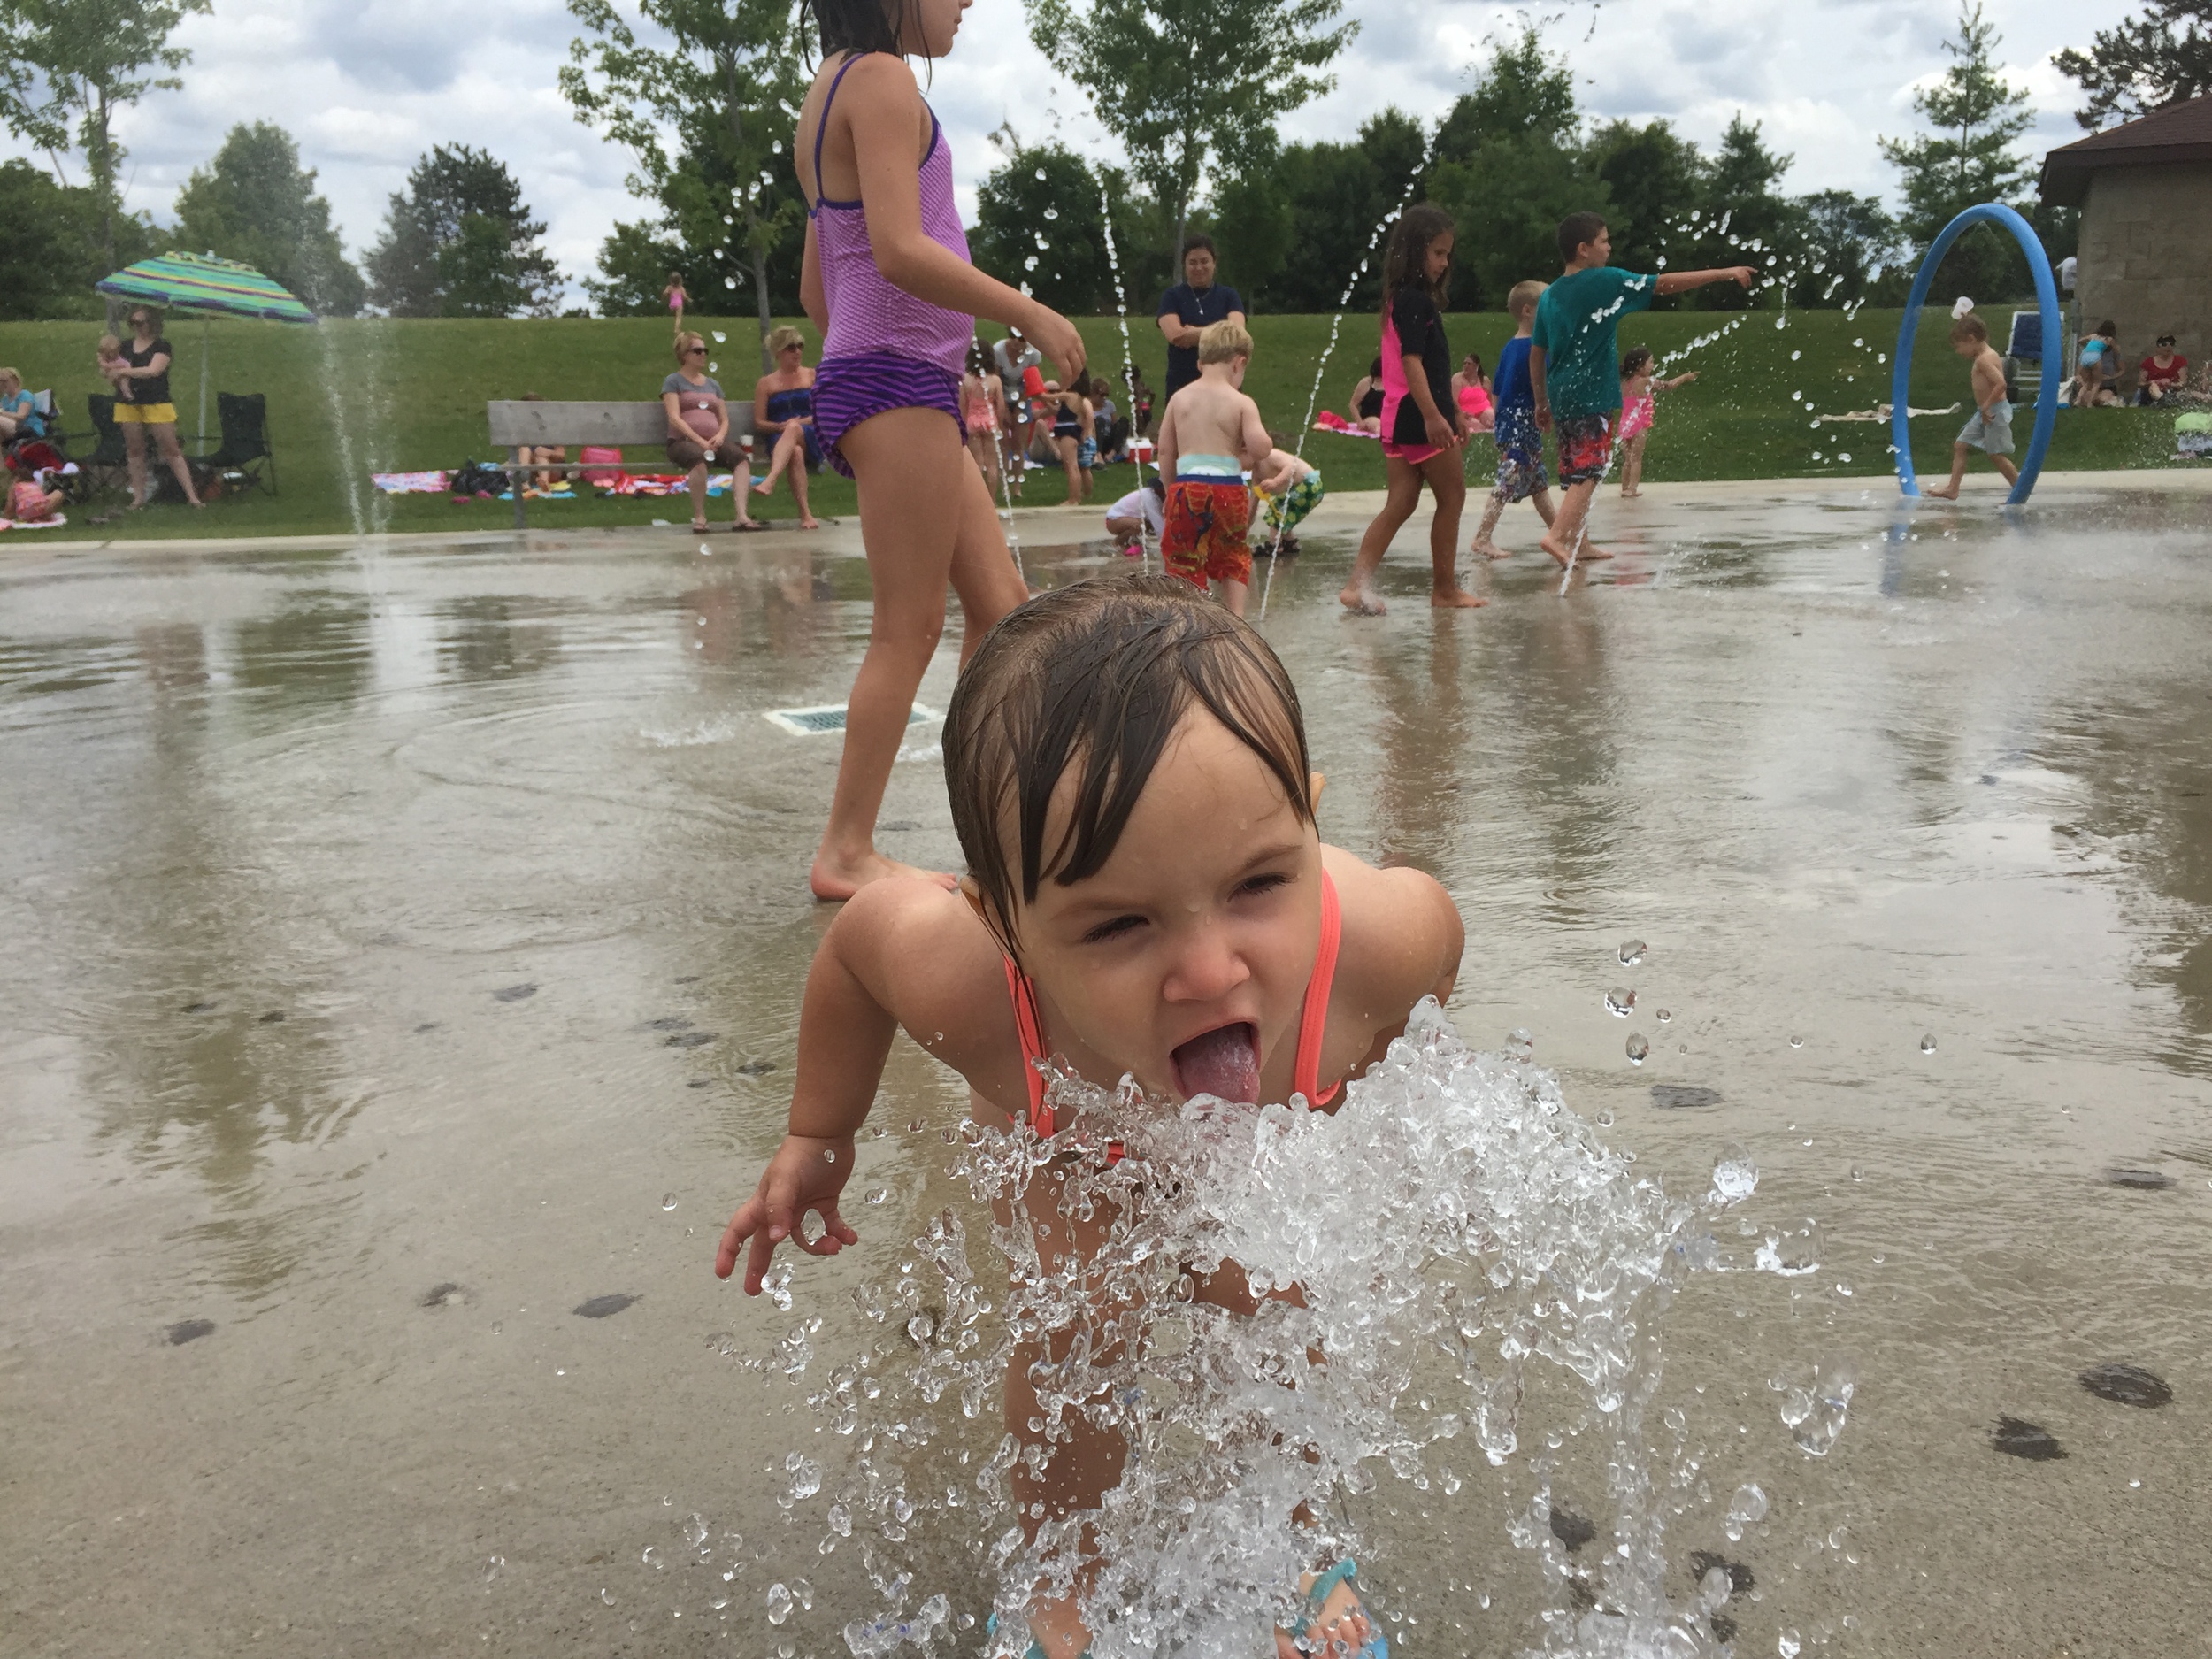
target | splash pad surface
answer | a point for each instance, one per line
(401, 931)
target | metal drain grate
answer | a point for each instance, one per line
(830, 717)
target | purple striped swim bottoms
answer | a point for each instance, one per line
(850, 389)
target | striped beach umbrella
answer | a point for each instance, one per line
(201, 282)
(210, 287)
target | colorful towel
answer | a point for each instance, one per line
(54, 523)
(410, 483)
(1329, 420)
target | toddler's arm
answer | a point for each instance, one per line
(1252, 441)
(1282, 469)
(1166, 446)
(1678, 382)
(861, 983)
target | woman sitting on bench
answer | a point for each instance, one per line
(699, 431)
(783, 406)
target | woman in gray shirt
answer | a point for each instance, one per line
(699, 433)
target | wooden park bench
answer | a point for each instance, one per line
(516, 425)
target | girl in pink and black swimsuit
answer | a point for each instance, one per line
(888, 282)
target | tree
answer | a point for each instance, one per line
(461, 243)
(1295, 231)
(2146, 63)
(71, 64)
(255, 203)
(1041, 226)
(1186, 85)
(727, 82)
(1970, 157)
(1654, 176)
(51, 250)
(1848, 241)
(1743, 218)
(1510, 167)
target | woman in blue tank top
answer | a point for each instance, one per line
(783, 418)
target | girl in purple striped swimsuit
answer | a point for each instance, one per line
(888, 281)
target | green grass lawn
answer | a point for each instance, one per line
(347, 398)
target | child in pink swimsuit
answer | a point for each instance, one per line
(1639, 402)
(887, 391)
(1172, 916)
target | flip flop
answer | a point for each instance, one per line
(699, 526)
(750, 524)
(1343, 1572)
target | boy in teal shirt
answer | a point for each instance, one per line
(1575, 363)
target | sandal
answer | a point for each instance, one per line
(1377, 1646)
(750, 524)
(699, 526)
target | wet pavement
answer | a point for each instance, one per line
(404, 950)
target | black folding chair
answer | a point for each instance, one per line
(108, 467)
(244, 458)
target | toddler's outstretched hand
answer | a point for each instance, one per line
(804, 1174)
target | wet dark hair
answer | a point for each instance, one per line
(1576, 229)
(2110, 330)
(1095, 677)
(857, 25)
(1634, 361)
(1410, 238)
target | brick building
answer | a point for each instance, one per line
(2145, 190)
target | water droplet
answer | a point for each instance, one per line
(1631, 952)
(1797, 1042)
(1791, 1250)
(778, 1602)
(492, 1567)
(652, 1557)
(840, 1520)
(694, 1532)
(1519, 1043)
(1041, 173)
(1748, 1507)
(1735, 1177)
(606, 1598)
(916, 1126)
(1605, 1120)
(668, 1201)
(1927, 1043)
(1789, 1644)
(921, 1327)
(1619, 1002)
(718, 1601)
(829, 1155)
(877, 1195)
(1637, 1048)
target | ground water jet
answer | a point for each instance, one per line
(1482, 1281)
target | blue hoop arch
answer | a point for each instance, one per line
(2054, 344)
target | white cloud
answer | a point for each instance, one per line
(368, 86)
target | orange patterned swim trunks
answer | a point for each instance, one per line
(1207, 524)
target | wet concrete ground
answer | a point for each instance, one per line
(403, 952)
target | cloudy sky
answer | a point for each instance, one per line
(367, 86)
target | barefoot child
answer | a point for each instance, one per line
(1149, 897)
(1140, 515)
(1210, 435)
(1575, 364)
(1292, 488)
(1640, 395)
(1990, 430)
(1520, 445)
(1422, 427)
(886, 278)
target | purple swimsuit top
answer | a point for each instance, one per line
(867, 313)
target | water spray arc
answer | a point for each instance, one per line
(1128, 358)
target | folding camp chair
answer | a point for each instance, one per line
(2023, 357)
(244, 458)
(108, 467)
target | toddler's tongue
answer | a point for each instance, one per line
(1222, 1063)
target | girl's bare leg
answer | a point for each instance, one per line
(1448, 484)
(1633, 467)
(1066, 447)
(173, 453)
(135, 460)
(1403, 494)
(925, 519)
(697, 480)
(796, 473)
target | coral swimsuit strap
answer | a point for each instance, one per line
(1313, 1019)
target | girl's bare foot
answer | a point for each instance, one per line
(1361, 601)
(1560, 555)
(809, 523)
(1944, 492)
(833, 879)
(1488, 549)
(1629, 495)
(1455, 599)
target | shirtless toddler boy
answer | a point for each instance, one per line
(1210, 435)
(1990, 430)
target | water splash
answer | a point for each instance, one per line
(1460, 1265)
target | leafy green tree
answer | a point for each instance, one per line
(726, 78)
(2145, 64)
(70, 65)
(461, 243)
(1744, 218)
(1972, 156)
(1510, 167)
(53, 247)
(1189, 85)
(1848, 242)
(1973, 153)
(1654, 176)
(1041, 226)
(1295, 232)
(255, 203)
